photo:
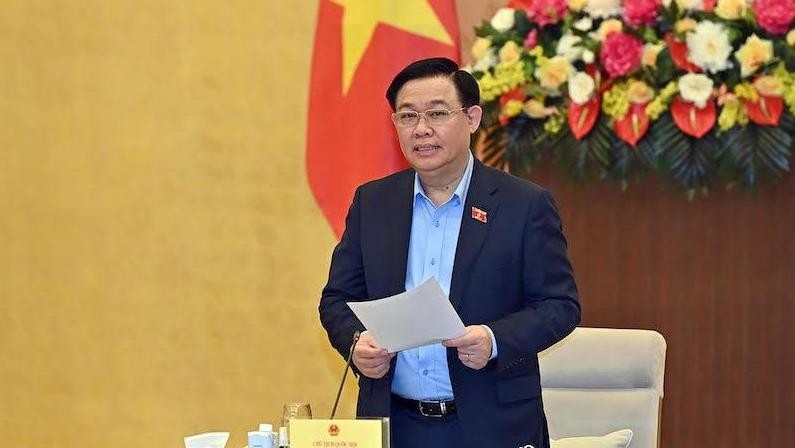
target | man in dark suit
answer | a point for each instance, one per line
(495, 244)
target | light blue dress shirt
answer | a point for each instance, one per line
(421, 373)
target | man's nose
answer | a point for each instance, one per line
(422, 127)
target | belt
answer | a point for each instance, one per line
(427, 408)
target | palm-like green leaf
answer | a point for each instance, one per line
(649, 153)
(624, 163)
(759, 153)
(586, 157)
(521, 148)
(687, 161)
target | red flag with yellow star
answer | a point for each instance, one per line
(359, 46)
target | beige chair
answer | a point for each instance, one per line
(599, 380)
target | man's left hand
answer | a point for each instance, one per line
(474, 347)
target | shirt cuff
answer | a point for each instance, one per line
(493, 342)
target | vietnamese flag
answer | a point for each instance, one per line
(359, 47)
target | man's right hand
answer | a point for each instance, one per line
(370, 358)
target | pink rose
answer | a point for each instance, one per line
(532, 39)
(545, 12)
(620, 53)
(774, 16)
(640, 12)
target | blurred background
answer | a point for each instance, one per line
(161, 254)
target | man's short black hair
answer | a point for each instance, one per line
(465, 84)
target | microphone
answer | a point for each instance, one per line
(345, 374)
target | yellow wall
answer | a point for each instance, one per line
(160, 252)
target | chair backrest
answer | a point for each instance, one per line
(599, 380)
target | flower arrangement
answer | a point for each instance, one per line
(700, 91)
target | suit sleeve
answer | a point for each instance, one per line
(346, 283)
(552, 308)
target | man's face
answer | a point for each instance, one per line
(436, 150)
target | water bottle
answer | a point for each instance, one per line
(284, 441)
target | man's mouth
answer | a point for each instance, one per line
(426, 148)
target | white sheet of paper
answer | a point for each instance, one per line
(420, 316)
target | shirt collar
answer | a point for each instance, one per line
(460, 191)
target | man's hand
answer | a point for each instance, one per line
(370, 358)
(474, 347)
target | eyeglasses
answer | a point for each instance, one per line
(410, 118)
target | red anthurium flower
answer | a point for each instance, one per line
(634, 125)
(582, 117)
(593, 70)
(520, 4)
(515, 94)
(692, 120)
(766, 111)
(709, 5)
(678, 50)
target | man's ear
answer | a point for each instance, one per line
(474, 115)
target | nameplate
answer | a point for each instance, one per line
(338, 433)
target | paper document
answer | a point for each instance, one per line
(420, 316)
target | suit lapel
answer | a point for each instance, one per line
(396, 223)
(481, 195)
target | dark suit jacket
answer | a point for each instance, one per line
(511, 273)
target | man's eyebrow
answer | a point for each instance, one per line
(412, 106)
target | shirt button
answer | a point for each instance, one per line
(433, 262)
(425, 372)
(436, 223)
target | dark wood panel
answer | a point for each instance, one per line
(715, 277)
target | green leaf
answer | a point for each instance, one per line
(688, 162)
(759, 153)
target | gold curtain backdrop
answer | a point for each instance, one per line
(161, 255)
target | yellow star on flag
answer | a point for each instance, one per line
(362, 16)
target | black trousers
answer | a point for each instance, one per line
(412, 430)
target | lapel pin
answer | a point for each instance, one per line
(480, 215)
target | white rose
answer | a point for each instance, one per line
(584, 24)
(568, 47)
(581, 88)
(588, 57)
(603, 8)
(503, 19)
(488, 61)
(708, 46)
(695, 88)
